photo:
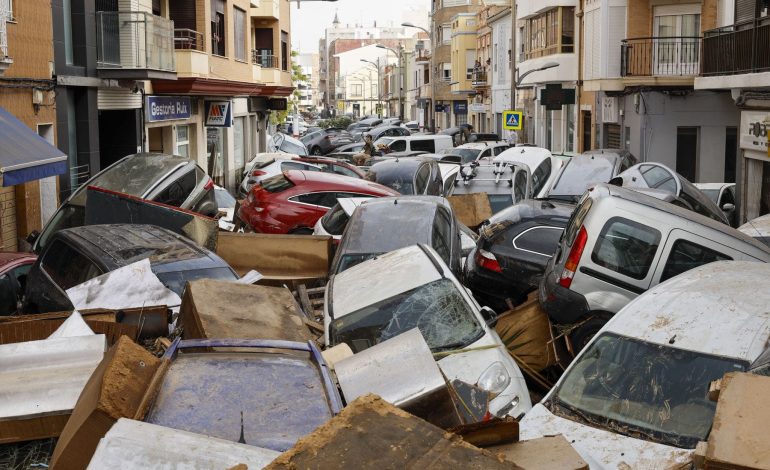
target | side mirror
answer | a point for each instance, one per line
(489, 316)
(728, 207)
(32, 237)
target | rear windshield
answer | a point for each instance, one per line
(579, 175)
(176, 280)
(335, 220)
(291, 147)
(626, 247)
(276, 184)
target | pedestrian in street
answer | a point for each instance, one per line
(466, 133)
(362, 158)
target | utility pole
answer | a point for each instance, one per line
(513, 55)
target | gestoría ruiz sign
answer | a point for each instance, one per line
(167, 108)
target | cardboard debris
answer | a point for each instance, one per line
(220, 309)
(281, 259)
(471, 209)
(113, 391)
(19, 332)
(370, 433)
(526, 332)
(489, 433)
(134, 445)
(30, 371)
(110, 207)
(546, 452)
(108, 291)
(738, 438)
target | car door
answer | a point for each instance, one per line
(522, 189)
(685, 250)
(485, 155)
(421, 179)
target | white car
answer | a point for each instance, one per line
(758, 228)
(540, 166)
(477, 151)
(265, 165)
(286, 144)
(335, 221)
(723, 195)
(637, 395)
(412, 287)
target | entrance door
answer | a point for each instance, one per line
(586, 130)
(731, 149)
(675, 45)
(119, 135)
(687, 151)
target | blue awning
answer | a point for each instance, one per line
(24, 155)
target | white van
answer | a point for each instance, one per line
(420, 143)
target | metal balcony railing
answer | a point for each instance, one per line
(188, 39)
(479, 78)
(660, 56)
(264, 58)
(134, 40)
(740, 48)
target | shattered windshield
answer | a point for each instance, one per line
(437, 309)
(642, 390)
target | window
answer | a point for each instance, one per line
(287, 166)
(550, 32)
(441, 235)
(356, 89)
(427, 145)
(7, 6)
(626, 247)
(421, 179)
(218, 33)
(276, 184)
(183, 141)
(541, 241)
(658, 178)
(686, 255)
(446, 72)
(398, 146)
(68, 267)
(540, 176)
(446, 32)
(178, 191)
(470, 63)
(284, 50)
(326, 199)
(519, 186)
(239, 30)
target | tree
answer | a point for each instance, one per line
(296, 76)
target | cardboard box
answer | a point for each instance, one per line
(18, 332)
(219, 309)
(738, 438)
(545, 452)
(281, 259)
(114, 391)
(471, 209)
(370, 433)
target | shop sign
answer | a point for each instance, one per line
(478, 108)
(460, 107)
(166, 108)
(755, 131)
(219, 113)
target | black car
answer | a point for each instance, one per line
(413, 175)
(513, 249)
(385, 224)
(78, 254)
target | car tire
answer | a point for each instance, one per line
(302, 231)
(316, 151)
(582, 335)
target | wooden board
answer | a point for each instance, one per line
(19, 332)
(547, 452)
(370, 433)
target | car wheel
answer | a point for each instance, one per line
(582, 335)
(302, 231)
(316, 151)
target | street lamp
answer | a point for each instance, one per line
(431, 75)
(379, 79)
(546, 66)
(400, 79)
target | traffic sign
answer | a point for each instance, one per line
(512, 120)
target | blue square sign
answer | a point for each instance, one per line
(512, 120)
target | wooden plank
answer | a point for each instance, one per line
(495, 432)
(304, 300)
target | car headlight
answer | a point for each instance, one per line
(495, 379)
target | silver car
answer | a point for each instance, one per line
(270, 164)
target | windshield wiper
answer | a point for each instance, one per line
(574, 411)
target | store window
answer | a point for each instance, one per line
(239, 29)
(183, 141)
(238, 144)
(215, 143)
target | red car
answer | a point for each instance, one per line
(332, 165)
(294, 201)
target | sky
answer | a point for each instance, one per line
(313, 17)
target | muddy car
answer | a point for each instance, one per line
(413, 287)
(78, 254)
(411, 175)
(587, 169)
(758, 229)
(637, 395)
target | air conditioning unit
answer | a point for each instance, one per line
(38, 96)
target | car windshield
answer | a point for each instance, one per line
(335, 220)
(642, 390)
(291, 147)
(712, 194)
(400, 181)
(468, 155)
(499, 202)
(437, 309)
(176, 280)
(578, 175)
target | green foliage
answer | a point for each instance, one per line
(296, 77)
(339, 121)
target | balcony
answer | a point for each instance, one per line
(265, 67)
(737, 49)
(673, 58)
(134, 45)
(266, 9)
(479, 79)
(192, 61)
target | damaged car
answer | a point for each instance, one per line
(637, 395)
(413, 288)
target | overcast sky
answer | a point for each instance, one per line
(312, 18)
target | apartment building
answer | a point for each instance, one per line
(308, 89)
(451, 99)
(29, 161)
(498, 74)
(480, 110)
(736, 59)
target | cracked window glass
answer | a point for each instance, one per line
(437, 309)
(642, 390)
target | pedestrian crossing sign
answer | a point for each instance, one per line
(512, 120)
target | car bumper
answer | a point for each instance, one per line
(562, 305)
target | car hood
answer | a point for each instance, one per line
(602, 449)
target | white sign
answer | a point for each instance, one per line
(478, 108)
(609, 109)
(753, 133)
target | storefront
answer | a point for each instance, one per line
(460, 110)
(755, 175)
(171, 125)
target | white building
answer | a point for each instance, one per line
(308, 89)
(499, 70)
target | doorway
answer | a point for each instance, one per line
(586, 119)
(119, 135)
(676, 45)
(731, 152)
(687, 151)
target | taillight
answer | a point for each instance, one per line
(571, 265)
(209, 184)
(258, 173)
(487, 261)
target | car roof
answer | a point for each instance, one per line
(759, 227)
(529, 209)
(7, 257)
(713, 185)
(713, 309)
(123, 244)
(335, 181)
(368, 230)
(603, 190)
(480, 145)
(381, 278)
(530, 156)
(394, 165)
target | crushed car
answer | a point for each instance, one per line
(587, 169)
